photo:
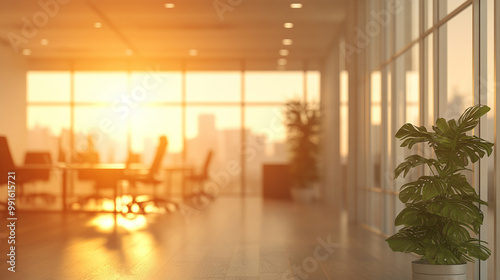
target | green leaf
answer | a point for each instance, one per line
(439, 254)
(410, 193)
(432, 187)
(426, 186)
(407, 241)
(414, 161)
(412, 135)
(456, 209)
(442, 126)
(456, 231)
(457, 184)
(475, 249)
(414, 215)
(470, 118)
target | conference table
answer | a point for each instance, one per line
(112, 172)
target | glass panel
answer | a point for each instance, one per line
(214, 87)
(106, 131)
(390, 216)
(456, 81)
(399, 118)
(344, 116)
(400, 29)
(428, 92)
(373, 30)
(412, 86)
(265, 142)
(428, 14)
(429, 78)
(218, 129)
(407, 23)
(375, 127)
(388, 175)
(389, 31)
(157, 87)
(399, 207)
(376, 210)
(48, 86)
(313, 85)
(448, 6)
(45, 124)
(368, 203)
(104, 87)
(412, 8)
(272, 86)
(148, 124)
(53, 119)
(493, 234)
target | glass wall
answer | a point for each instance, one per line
(236, 114)
(437, 60)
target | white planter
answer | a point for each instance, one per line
(303, 195)
(423, 271)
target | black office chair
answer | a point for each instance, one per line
(6, 162)
(148, 177)
(199, 180)
(37, 175)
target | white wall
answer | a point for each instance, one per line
(13, 101)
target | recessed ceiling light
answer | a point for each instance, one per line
(282, 62)
(170, 5)
(26, 52)
(97, 24)
(296, 5)
(288, 25)
(193, 52)
(129, 52)
(287, 42)
(284, 52)
(44, 42)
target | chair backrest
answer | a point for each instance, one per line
(208, 159)
(6, 161)
(133, 158)
(37, 158)
(160, 152)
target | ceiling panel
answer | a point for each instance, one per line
(147, 30)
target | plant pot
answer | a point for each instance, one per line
(303, 195)
(425, 271)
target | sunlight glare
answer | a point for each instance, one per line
(105, 223)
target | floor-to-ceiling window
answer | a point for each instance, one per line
(421, 60)
(236, 114)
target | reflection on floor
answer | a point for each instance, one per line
(231, 238)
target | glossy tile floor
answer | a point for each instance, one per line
(231, 238)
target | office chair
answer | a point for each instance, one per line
(200, 178)
(100, 182)
(133, 158)
(37, 175)
(148, 177)
(6, 162)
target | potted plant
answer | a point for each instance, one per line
(442, 213)
(302, 120)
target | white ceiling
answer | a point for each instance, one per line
(250, 29)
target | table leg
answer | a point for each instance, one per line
(115, 196)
